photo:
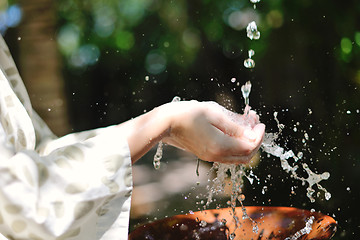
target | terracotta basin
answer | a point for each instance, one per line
(275, 223)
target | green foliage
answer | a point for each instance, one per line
(177, 28)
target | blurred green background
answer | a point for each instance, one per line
(93, 63)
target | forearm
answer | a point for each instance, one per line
(146, 130)
(205, 129)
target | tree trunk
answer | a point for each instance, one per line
(40, 63)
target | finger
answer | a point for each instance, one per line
(255, 134)
(241, 150)
(235, 159)
(250, 119)
(225, 121)
(223, 145)
(259, 130)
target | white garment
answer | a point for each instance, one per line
(76, 187)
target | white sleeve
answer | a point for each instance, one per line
(56, 192)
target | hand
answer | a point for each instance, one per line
(213, 133)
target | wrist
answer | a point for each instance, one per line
(164, 118)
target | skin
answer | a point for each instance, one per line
(205, 129)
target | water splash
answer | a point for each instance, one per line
(158, 156)
(306, 230)
(237, 172)
(269, 146)
(159, 150)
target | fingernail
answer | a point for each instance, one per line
(249, 134)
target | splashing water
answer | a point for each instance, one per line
(237, 172)
(158, 156)
(269, 146)
(159, 150)
(306, 230)
(218, 185)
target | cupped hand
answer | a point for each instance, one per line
(213, 133)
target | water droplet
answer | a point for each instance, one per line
(300, 154)
(183, 227)
(325, 176)
(147, 78)
(264, 190)
(348, 112)
(203, 223)
(19, 38)
(233, 80)
(327, 195)
(306, 136)
(249, 63)
(252, 31)
(223, 221)
(176, 99)
(251, 53)
(241, 197)
(254, 1)
(157, 164)
(255, 228)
